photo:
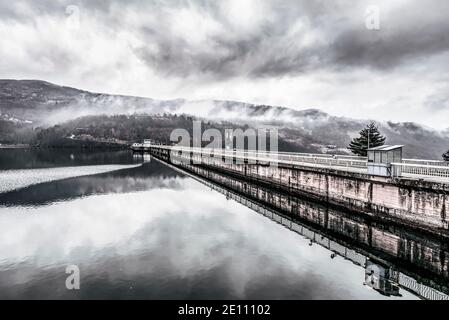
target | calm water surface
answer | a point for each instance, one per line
(152, 232)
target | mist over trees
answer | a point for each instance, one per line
(122, 129)
(40, 113)
(15, 133)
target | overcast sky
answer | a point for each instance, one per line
(295, 53)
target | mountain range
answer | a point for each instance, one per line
(32, 108)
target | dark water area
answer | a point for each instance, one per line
(60, 157)
(153, 232)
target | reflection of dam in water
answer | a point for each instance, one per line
(393, 257)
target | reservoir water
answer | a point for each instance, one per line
(139, 229)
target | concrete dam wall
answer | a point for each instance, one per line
(416, 203)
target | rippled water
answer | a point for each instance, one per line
(148, 232)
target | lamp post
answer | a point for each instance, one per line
(369, 131)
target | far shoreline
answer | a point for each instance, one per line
(15, 146)
(84, 147)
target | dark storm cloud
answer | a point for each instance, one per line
(330, 36)
(406, 35)
(172, 58)
(233, 52)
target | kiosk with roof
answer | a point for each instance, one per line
(381, 158)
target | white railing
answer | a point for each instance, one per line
(401, 169)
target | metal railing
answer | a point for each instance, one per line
(424, 291)
(426, 162)
(419, 170)
(279, 157)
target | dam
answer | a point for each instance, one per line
(412, 193)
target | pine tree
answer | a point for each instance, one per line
(370, 137)
(446, 156)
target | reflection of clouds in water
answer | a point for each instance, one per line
(93, 222)
(183, 242)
